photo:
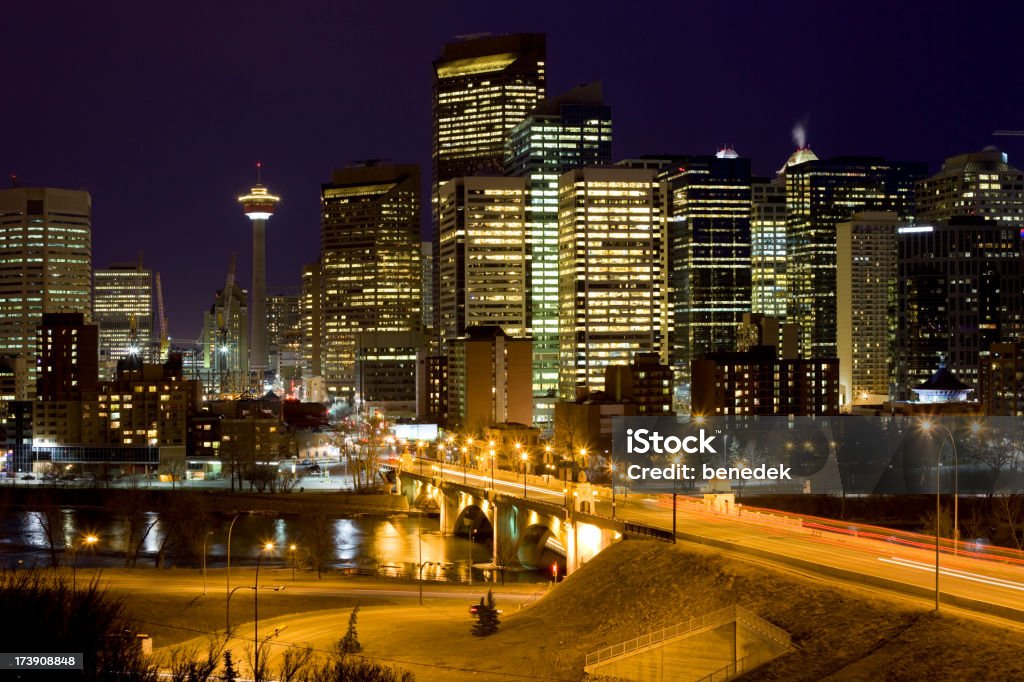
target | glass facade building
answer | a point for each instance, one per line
(370, 259)
(820, 194)
(123, 309)
(611, 282)
(573, 130)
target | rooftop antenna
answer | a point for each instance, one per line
(259, 173)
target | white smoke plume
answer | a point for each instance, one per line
(800, 132)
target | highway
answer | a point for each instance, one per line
(906, 560)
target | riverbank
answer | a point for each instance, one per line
(219, 501)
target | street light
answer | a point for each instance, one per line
(675, 480)
(87, 541)
(492, 467)
(611, 470)
(205, 538)
(472, 532)
(292, 548)
(927, 425)
(526, 458)
(268, 547)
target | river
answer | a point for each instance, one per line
(394, 544)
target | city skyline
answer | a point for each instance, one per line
(264, 103)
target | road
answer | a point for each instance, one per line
(906, 559)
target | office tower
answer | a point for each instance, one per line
(284, 335)
(490, 379)
(45, 263)
(386, 371)
(866, 248)
(708, 206)
(370, 259)
(259, 205)
(427, 283)
(760, 330)
(981, 184)
(312, 320)
(959, 291)
(820, 194)
(768, 289)
(1002, 380)
(483, 260)
(123, 310)
(483, 85)
(67, 352)
(611, 273)
(573, 130)
(226, 342)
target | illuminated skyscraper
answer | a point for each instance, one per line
(483, 261)
(611, 273)
(768, 289)
(284, 334)
(820, 194)
(259, 205)
(312, 320)
(483, 86)
(370, 255)
(123, 309)
(45, 264)
(573, 130)
(959, 291)
(226, 343)
(981, 184)
(708, 208)
(866, 249)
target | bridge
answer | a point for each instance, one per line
(539, 517)
(523, 529)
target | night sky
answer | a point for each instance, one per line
(161, 110)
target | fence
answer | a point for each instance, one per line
(779, 638)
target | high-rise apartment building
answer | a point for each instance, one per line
(312, 320)
(45, 263)
(123, 309)
(483, 261)
(66, 357)
(708, 206)
(612, 288)
(768, 289)
(959, 292)
(284, 335)
(820, 194)
(866, 248)
(370, 260)
(427, 283)
(573, 130)
(483, 86)
(489, 380)
(981, 184)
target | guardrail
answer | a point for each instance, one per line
(535, 596)
(647, 531)
(779, 638)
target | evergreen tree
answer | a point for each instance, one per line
(349, 644)
(486, 617)
(230, 674)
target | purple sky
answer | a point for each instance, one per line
(162, 113)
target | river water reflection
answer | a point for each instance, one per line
(393, 543)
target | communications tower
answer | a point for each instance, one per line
(258, 205)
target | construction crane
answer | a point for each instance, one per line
(165, 340)
(223, 312)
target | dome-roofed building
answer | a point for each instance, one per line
(981, 184)
(942, 387)
(799, 155)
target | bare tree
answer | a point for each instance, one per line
(317, 533)
(134, 504)
(1010, 511)
(51, 521)
(505, 556)
(295, 664)
(188, 665)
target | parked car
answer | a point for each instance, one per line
(28, 477)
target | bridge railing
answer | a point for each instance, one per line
(715, 618)
(647, 531)
(532, 599)
(779, 639)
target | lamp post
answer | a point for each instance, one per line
(227, 571)
(927, 425)
(492, 467)
(472, 532)
(205, 538)
(525, 457)
(675, 481)
(464, 450)
(292, 548)
(268, 547)
(87, 541)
